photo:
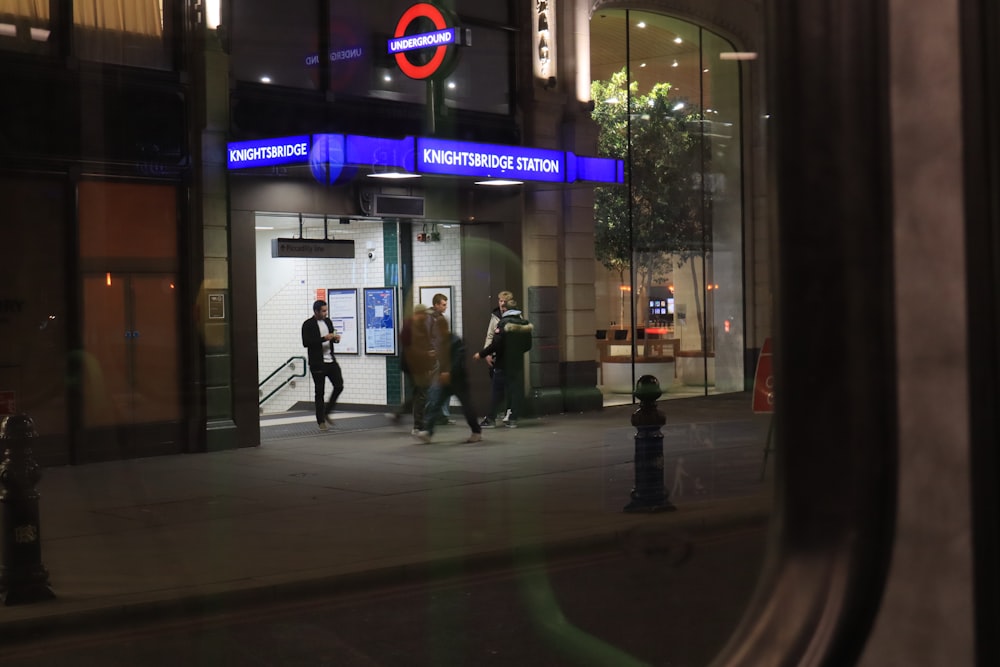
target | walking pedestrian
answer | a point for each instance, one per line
(454, 383)
(319, 337)
(417, 363)
(511, 339)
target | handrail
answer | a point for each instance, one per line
(286, 381)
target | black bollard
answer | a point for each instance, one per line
(22, 577)
(649, 493)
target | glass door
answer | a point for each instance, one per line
(131, 390)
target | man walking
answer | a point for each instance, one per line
(457, 385)
(318, 337)
(511, 339)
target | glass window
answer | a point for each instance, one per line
(278, 48)
(124, 33)
(670, 243)
(25, 25)
(33, 310)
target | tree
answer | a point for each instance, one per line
(668, 156)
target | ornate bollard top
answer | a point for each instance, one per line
(647, 389)
(16, 427)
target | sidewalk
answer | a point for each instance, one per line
(364, 503)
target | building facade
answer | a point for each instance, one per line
(146, 312)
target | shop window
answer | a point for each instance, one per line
(669, 245)
(124, 33)
(25, 25)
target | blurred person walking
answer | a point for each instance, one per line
(453, 383)
(319, 337)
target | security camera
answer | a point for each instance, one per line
(371, 255)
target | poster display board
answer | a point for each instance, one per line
(380, 320)
(343, 311)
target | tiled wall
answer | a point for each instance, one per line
(286, 289)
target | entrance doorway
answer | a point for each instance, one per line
(130, 364)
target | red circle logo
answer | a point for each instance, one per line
(436, 17)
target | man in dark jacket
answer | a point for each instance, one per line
(416, 363)
(318, 337)
(511, 339)
(455, 383)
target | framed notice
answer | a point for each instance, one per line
(217, 306)
(427, 298)
(343, 311)
(380, 320)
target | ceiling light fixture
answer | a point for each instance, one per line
(394, 175)
(500, 181)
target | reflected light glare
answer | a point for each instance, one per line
(678, 40)
(673, 64)
(640, 24)
(212, 13)
(107, 278)
(265, 79)
(738, 55)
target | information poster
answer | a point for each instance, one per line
(380, 320)
(343, 309)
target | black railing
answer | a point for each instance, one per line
(288, 362)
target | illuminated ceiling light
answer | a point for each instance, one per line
(705, 70)
(386, 77)
(265, 79)
(738, 55)
(678, 40)
(394, 175)
(674, 64)
(642, 64)
(451, 85)
(263, 227)
(499, 181)
(640, 24)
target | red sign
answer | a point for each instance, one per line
(424, 10)
(763, 380)
(8, 402)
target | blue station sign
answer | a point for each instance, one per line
(329, 155)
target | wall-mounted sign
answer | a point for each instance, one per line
(425, 41)
(326, 248)
(217, 306)
(462, 158)
(268, 152)
(333, 157)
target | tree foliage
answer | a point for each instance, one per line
(668, 156)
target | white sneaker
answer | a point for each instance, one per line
(415, 432)
(506, 417)
(424, 436)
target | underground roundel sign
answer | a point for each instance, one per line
(425, 41)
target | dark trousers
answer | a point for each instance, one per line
(438, 396)
(507, 386)
(329, 370)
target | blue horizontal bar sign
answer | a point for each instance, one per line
(426, 40)
(267, 152)
(422, 155)
(462, 158)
